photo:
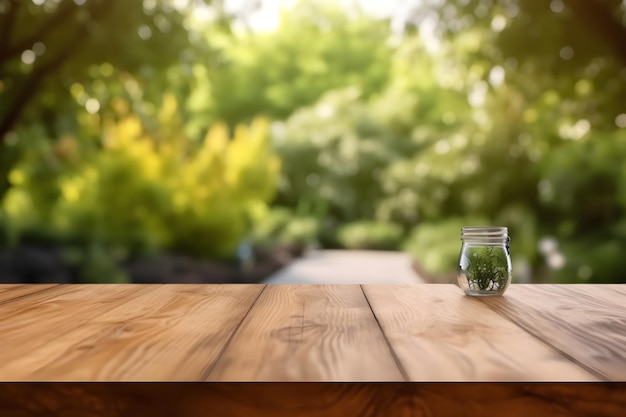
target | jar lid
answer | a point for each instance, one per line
(489, 233)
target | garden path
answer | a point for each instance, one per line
(348, 267)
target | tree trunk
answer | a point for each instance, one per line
(27, 89)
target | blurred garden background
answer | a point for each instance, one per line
(216, 140)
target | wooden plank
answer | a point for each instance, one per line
(586, 328)
(166, 332)
(9, 292)
(308, 333)
(439, 334)
(314, 400)
(613, 295)
(5, 287)
(39, 318)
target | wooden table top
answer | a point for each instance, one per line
(233, 332)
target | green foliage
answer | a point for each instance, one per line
(316, 48)
(96, 264)
(332, 155)
(540, 149)
(282, 226)
(142, 194)
(436, 245)
(301, 231)
(515, 119)
(487, 269)
(592, 259)
(39, 63)
(587, 174)
(370, 235)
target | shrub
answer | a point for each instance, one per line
(281, 226)
(144, 190)
(370, 235)
(436, 246)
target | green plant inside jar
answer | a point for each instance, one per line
(487, 269)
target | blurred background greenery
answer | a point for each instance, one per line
(216, 130)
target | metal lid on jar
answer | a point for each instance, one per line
(486, 234)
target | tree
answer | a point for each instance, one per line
(316, 48)
(48, 46)
(550, 89)
(146, 188)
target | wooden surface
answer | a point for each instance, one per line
(460, 338)
(313, 400)
(10, 292)
(311, 333)
(586, 323)
(308, 333)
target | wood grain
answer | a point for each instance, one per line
(588, 328)
(439, 334)
(313, 400)
(308, 333)
(9, 292)
(163, 332)
(33, 321)
(612, 295)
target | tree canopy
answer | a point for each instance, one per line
(136, 125)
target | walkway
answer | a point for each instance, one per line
(348, 267)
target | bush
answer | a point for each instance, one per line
(591, 260)
(370, 235)
(436, 246)
(281, 226)
(95, 264)
(333, 154)
(143, 191)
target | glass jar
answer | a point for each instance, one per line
(484, 262)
